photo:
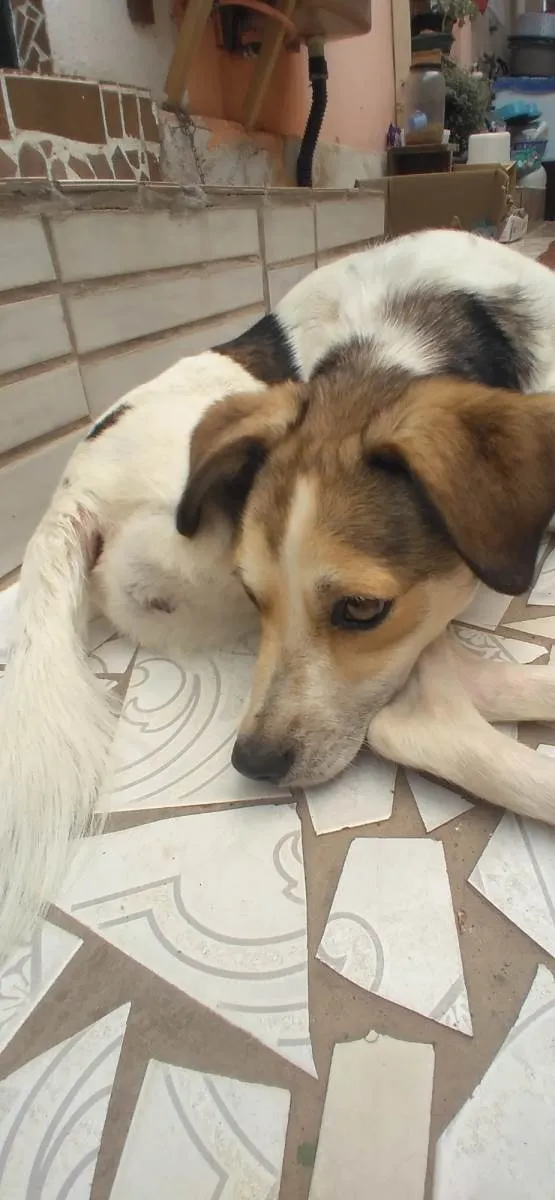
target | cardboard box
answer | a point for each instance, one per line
(474, 198)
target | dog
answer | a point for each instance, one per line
(343, 473)
(371, 499)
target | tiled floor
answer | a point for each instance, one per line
(343, 996)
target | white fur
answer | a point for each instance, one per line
(125, 485)
(55, 720)
(439, 724)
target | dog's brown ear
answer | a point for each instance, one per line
(228, 448)
(483, 462)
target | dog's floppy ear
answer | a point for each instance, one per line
(228, 447)
(483, 462)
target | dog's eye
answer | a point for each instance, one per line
(359, 612)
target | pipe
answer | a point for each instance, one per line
(318, 74)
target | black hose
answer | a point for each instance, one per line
(318, 74)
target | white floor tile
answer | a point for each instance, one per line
(436, 803)
(375, 1126)
(538, 627)
(99, 630)
(52, 1114)
(501, 1142)
(391, 928)
(543, 591)
(516, 873)
(215, 904)
(497, 649)
(486, 609)
(176, 732)
(546, 749)
(362, 795)
(28, 973)
(203, 1136)
(8, 601)
(112, 657)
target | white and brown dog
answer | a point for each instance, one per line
(344, 473)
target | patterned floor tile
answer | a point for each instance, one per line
(543, 592)
(516, 873)
(487, 608)
(374, 1135)
(175, 735)
(436, 803)
(222, 1137)
(52, 1114)
(99, 630)
(540, 627)
(215, 904)
(28, 973)
(112, 657)
(501, 1142)
(494, 647)
(362, 795)
(391, 928)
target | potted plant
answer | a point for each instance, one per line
(454, 12)
(432, 21)
(467, 102)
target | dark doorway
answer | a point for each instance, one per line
(8, 51)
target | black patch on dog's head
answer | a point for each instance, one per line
(483, 339)
(265, 351)
(106, 422)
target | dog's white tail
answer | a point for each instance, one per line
(55, 719)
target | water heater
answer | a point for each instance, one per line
(332, 20)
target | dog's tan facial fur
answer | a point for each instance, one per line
(315, 685)
(367, 484)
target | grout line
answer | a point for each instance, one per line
(84, 286)
(262, 252)
(61, 290)
(8, 457)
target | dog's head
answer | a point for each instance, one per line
(367, 507)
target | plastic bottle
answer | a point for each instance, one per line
(424, 106)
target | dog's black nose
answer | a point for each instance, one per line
(260, 760)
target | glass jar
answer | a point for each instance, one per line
(424, 106)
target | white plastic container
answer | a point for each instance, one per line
(536, 179)
(489, 148)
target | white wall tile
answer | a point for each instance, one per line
(107, 316)
(40, 404)
(24, 254)
(91, 245)
(345, 222)
(282, 279)
(109, 378)
(288, 232)
(26, 486)
(32, 331)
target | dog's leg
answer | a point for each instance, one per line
(433, 726)
(506, 691)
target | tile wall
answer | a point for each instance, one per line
(103, 288)
(55, 128)
(31, 36)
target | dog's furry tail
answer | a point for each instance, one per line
(55, 720)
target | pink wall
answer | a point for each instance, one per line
(361, 87)
(462, 49)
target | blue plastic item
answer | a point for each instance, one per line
(518, 110)
(525, 83)
(417, 122)
(528, 155)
